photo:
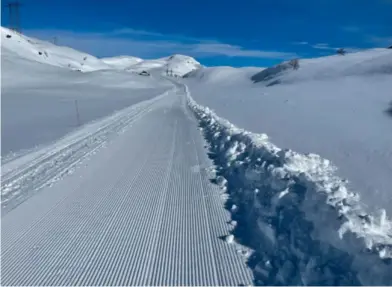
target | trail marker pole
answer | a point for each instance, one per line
(77, 113)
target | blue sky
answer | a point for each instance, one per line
(235, 33)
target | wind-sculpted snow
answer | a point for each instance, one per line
(304, 224)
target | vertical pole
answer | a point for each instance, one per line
(77, 113)
(14, 15)
(17, 17)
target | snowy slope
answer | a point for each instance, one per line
(48, 53)
(366, 63)
(222, 75)
(121, 62)
(333, 106)
(39, 95)
(175, 65)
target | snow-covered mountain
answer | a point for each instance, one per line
(38, 91)
(175, 65)
(48, 53)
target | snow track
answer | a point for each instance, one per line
(140, 212)
(27, 174)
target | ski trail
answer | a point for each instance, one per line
(141, 212)
(23, 177)
(158, 220)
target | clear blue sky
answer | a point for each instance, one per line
(216, 32)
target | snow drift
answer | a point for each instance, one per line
(303, 223)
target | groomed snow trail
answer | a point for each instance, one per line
(139, 212)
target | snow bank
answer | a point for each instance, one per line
(304, 224)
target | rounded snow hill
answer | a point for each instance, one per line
(222, 74)
(175, 65)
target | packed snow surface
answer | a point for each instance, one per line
(130, 208)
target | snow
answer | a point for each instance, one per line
(230, 239)
(316, 145)
(48, 53)
(301, 159)
(304, 218)
(133, 214)
(121, 62)
(333, 106)
(366, 63)
(25, 174)
(39, 94)
(220, 75)
(175, 65)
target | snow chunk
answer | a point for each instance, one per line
(230, 238)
